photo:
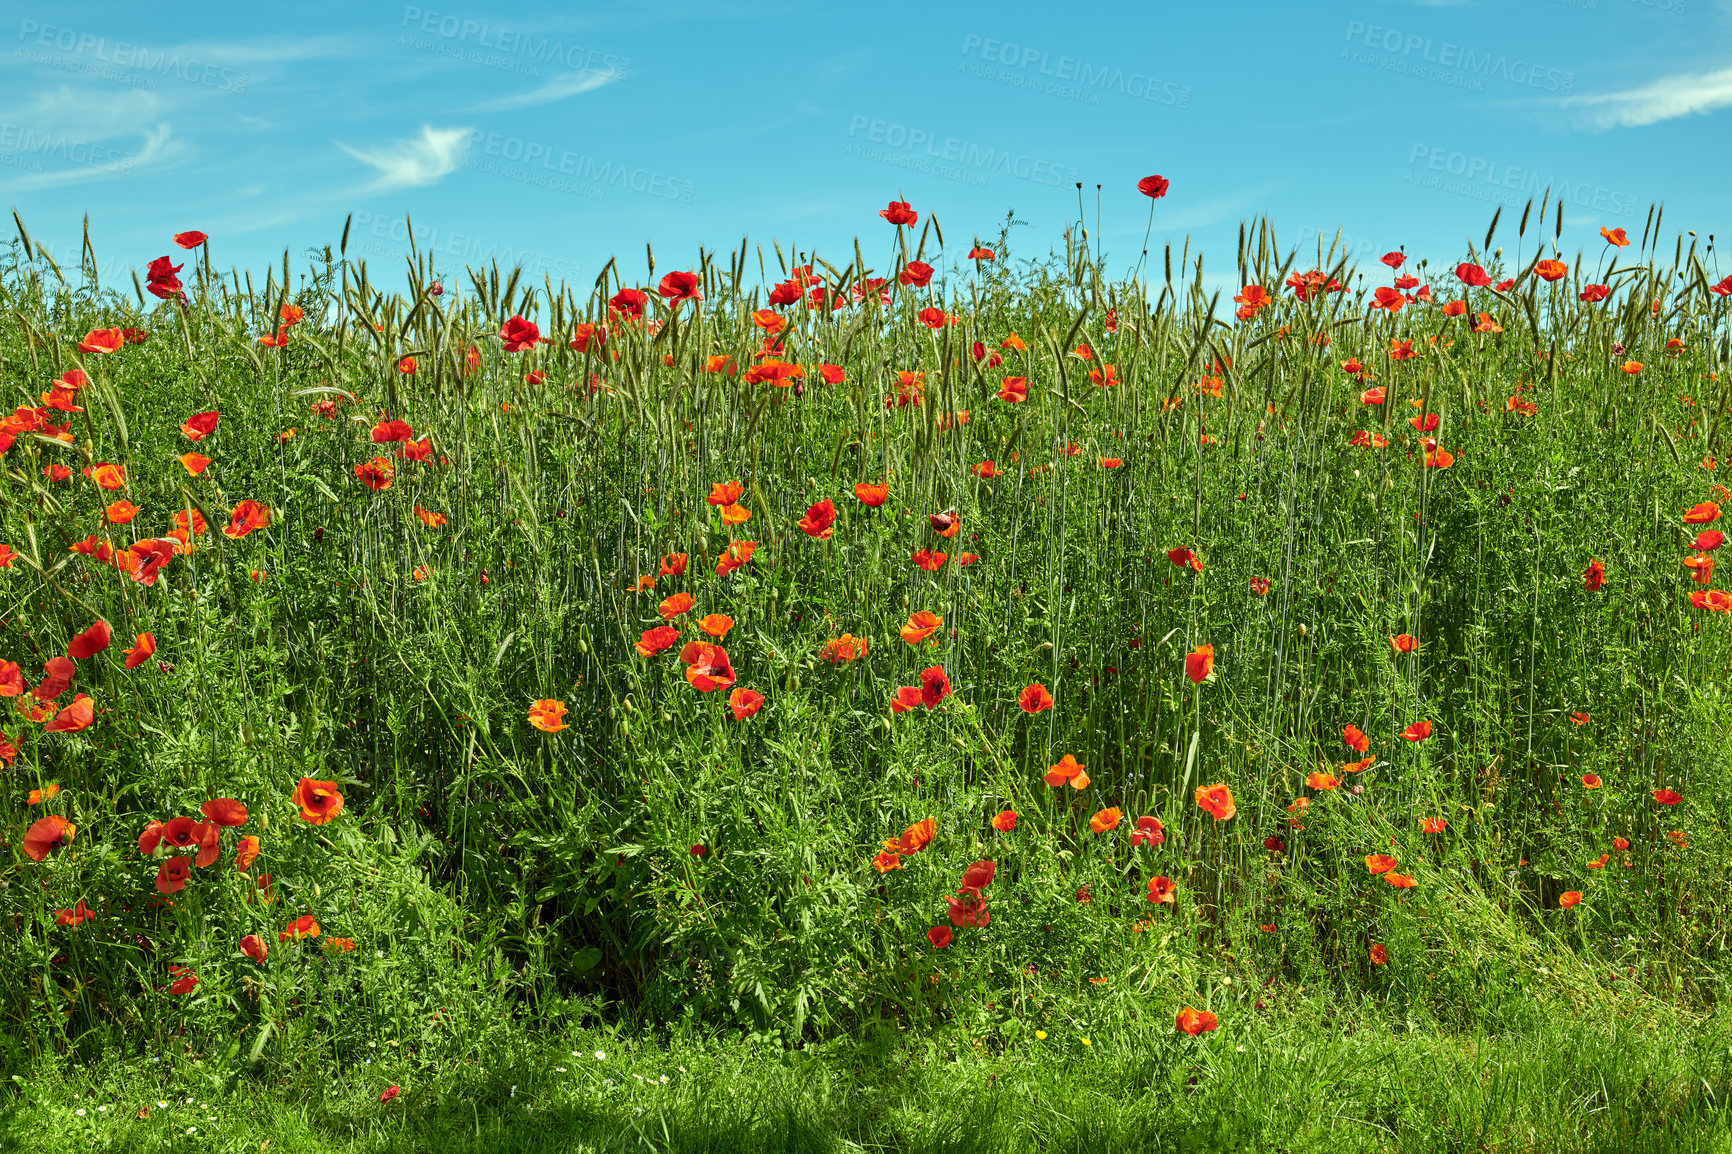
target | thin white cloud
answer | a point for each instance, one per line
(1665, 99)
(87, 162)
(414, 163)
(561, 87)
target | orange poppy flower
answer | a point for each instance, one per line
(1217, 801)
(734, 557)
(716, 624)
(674, 564)
(745, 702)
(302, 927)
(841, 650)
(1195, 1022)
(1106, 819)
(1702, 514)
(376, 474)
(1401, 350)
(930, 559)
(74, 717)
(905, 698)
(1668, 796)
(920, 626)
(1551, 269)
(121, 512)
(1013, 390)
(1068, 770)
(915, 838)
(253, 947)
(675, 605)
(1005, 821)
(1594, 577)
(872, 496)
(1418, 731)
(74, 917)
(1200, 664)
(109, 476)
(246, 853)
(1569, 899)
(102, 341)
(1380, 863)
(429, 518)
(1321, 781)
(548, 715)
(887, 861)
(1403, 643)
(1630, 367)
(1379, 956)
(1615, 236)
(820, 520)
(47, 834)
(1432, 824)
(945, 524)
(1355, 738)
(724, 493)
(320, 801)
(1399, 881)
(1034, 699)
(46, 793)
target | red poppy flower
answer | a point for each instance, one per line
(628, 303)
(820, 520)
(899, 213)
(47, 834)
(1321, 781)
(1379, 955)
(977, 876)
(1195, 1022)
(1594, 293)
(1149, 831)
(1668, 796)
(74, 917)
(675, 605)
(871, 495)
(940, 936)
(1708, 540)
(253, 947)
(916, 273)
(1403, 643)
(979, 252)
(680, 286)
(1399, 881)
(1569, 899)
(1034, 699)
(1432, 824)
(1615, 236)
(1551, 269)
(1704, 513)
(1005, 821)
(745, 702)
(934, 686)
(320, 801)
(225, 811)
(376, 474)
(246, 853)
(102, 341)
(1184, 557)
(707, 666)
(655, 640)
(249, 515)
(1200, 664)
(932, 318)
(1594, 577)
(1401, 350)
(969, 910)
(91, 642)
(1591, 781)
(190, 239)
(1356, 738)
(1472, 275)
(172, 875)
(915, 838)
(76, 716)
(1380, 863)
(1418, 731)
(57, 675)
(841, 650)
(1154, 187)
(1161, 890)
(930, 560)
(519, 334)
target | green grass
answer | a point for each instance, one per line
(1315, 1076)
(502, 885)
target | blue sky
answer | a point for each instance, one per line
(560, 135)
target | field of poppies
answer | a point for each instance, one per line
(884, 648)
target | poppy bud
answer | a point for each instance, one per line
(435, 289)
(319, 533)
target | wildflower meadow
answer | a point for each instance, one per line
(920, 696)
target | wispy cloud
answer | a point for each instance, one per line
(1665, 99)
(561, 87)
(414, 163)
